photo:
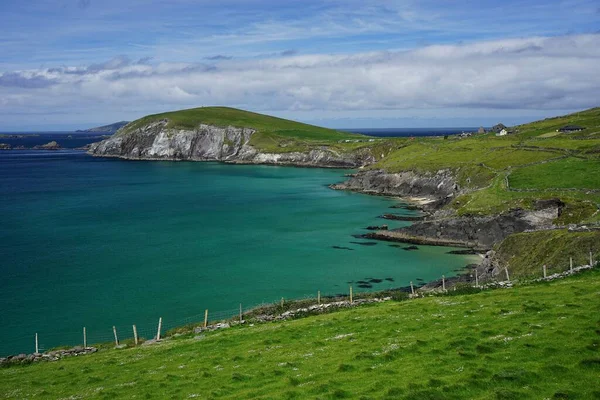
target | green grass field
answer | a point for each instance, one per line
(566, 173)
(558, 165)
(537, 341)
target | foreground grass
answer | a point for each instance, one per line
(536, 341)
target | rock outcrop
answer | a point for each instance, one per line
(212, 143)
(48, 146)
(54, 355)
(482, 232)
(443, 227)
(439, 187)
(478, 232)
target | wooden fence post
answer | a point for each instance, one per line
(319, 297)
(591, 259)
(37, 348)
(412, 288)
(507, 277)
(476, 279)
(158, 331)
(84, 338)
(571, 264)
(135, 336)
(115, 333)
(282, 302)
(241, 318)
(351, 295)
(444, 283)
(545, 272)
(205, 317)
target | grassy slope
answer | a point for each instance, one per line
(536, 341)
(524, 254)
(538, 162)
(273, 134)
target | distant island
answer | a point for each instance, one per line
(106, 128)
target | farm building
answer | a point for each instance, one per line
(570, 128)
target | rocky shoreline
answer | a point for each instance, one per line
(426, 191)
(54, 355)
(156, 141)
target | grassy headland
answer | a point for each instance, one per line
(273, 134)
(533, 341)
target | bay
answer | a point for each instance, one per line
(100, 242)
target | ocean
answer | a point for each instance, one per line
(98, 242)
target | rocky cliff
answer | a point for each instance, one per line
(443, 226)
(479, 232)
(212, 143)
(437, 188)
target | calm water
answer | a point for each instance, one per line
(101, 242)
(67, 140)
(408, 132)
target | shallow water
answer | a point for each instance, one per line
(100, 242)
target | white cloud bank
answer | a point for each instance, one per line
(533, 73)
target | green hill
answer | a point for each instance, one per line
(529, 342)
(536, 163)
(273, 134)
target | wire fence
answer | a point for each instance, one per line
(51, 338)
(119, 333)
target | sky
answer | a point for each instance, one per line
(73, 64)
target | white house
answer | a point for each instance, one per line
(503, 132)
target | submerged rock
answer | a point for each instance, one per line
(341, 248)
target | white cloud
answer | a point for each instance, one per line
(531, 73)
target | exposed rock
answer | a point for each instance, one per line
(207, 142)
(214, 327)
(49, 356)
(549, 203)
(464, 251)
(489, 267)
(48, 146)
(377, 228)
(409, 218)
(479, 232)
(438, 188)
(5, 146)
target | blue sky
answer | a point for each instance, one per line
(73, 63)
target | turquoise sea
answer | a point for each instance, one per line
(100, 242)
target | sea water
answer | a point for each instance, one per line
(99, 242)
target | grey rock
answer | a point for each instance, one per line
(439, 187)
(212, 143)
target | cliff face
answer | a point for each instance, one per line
(482, 232)
(211, 143)
(443, 226)
(439, 188)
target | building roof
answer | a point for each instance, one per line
(571, 128)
